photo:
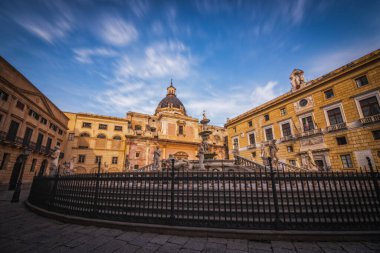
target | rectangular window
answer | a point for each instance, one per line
(43, 120)
(266, 117)
(137, 127)
(71, 136)
(235, 142)
(335, 116)
(40, 138)
(180, 130)
(3, 95)
(250, 123)
(329, 93)
(4, 162)
(286, 130)
(81, 158)
(361, 81)
(118, 128)
(114, 160)
(289, 149)
(136, 167)
(53, 127)
(283, 111)
(376, 134)
(33, 114)
(86, 125)
(33, 167)
(20, 105)
(341, 140)
(137, 154)
(269, 134)
(293, 162)
(48, 144)
(60, 132)
(27, 136)
(346, 161)
(103, 126)
(12, 131)
(252, 140)
(253, 154)
(98, 159)
(370, 106)
(307, 123)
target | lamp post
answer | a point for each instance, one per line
(16, 194)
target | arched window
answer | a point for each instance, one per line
(84, 135)
(101, 136)
(117, 137)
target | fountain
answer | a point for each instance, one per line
(203, 152)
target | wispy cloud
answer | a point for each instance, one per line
(85, 55)
(118, 32)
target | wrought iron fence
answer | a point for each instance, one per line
(264, 199)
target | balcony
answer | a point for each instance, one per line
(310, 132)
(336, 127)
(251, 146)
(287, 138)
(22, 143)
(370, 119)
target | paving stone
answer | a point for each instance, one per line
(178, 240)
(353, 247)
(150, 247)
(235, 251)
(189, 251)
(259, 247)
(110, 246)
(234, 244)
(195, 244)
(282, 247)
(160, 239)
(169, 247)
(330, 247)
(217, 240)
(127, 248)
(213, 250)
(128, 236)
(373, 245)
(212, 245)
(307, 247)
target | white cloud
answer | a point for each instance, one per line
(261, 94)
(85, 55)
(118, 32)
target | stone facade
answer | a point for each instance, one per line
(28, 120)
(336, 116)
(128, 143)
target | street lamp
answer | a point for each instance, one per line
(16, 194)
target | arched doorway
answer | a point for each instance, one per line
(43, 166)
(181, 155)
(16, 172)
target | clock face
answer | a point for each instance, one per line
(303, 102)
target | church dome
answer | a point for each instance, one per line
(171, 103)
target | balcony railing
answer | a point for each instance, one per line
(310, 132)
(336, 127)
(370, 119)
(20, 142)
(287, 138)
(251, 146)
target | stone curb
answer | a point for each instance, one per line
(260, 235)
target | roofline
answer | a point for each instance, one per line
(84, 114)
(30, 83)
(372, 56)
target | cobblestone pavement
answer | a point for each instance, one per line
(24, 231)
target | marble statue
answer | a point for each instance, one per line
(297, 79)
(273, 149)
(263, 152)
(156, 158)
(311, 165)
(54, 163)
(201, 155)
(127, 163)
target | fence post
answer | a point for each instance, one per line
(53, 191)
(374, 178)
(172, 217)
(95, 209)
(277, 220)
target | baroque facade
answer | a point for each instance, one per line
(28, 121)
(123, 144)
(335, 118)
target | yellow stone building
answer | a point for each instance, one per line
(28, 121)
(128, 143)
(336, 117)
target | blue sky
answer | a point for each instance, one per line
(225, 57)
